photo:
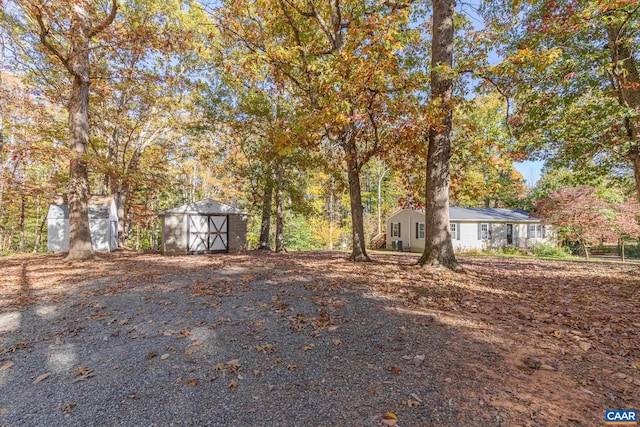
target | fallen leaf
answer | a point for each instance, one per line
(371, 366)
(165, 356)
(389, 419)
(68, 407)
(7, 365)
(336, 341)
(196, 343)
(395, 370)
(589, 392)
(412, 403)
(419, 359)
(41, 378)
(584, 346)
(193, 382)
(84, 373)
(233, 383)
(557, 334)
(292, 367)
(190, 350)
(58, 341)
(83, 370)
(152, 354)
(233, 365)
(308, 347)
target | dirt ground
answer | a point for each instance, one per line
(516, 341)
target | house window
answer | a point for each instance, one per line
(420, 230)
(395, 229)
(454, 230)
(484, 232)
(536, 231)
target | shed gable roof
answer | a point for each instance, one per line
(205, 207)
(97, 206)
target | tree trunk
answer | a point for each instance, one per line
(331, 220)
(622, 257)
(36, 244)
(586, 250)
(380, 180)
(265, 224)
(279, 207)
(438, 249)
(358, 252)
(21, 222)
(79, 233)
(76, 61)
(121, 199)
(628, 86)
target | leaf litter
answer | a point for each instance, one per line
(516, 341)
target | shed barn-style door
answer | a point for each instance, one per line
(207, 234)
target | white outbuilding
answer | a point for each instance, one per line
(103, 223)
(203, 227)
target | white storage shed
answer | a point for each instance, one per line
(103, 223)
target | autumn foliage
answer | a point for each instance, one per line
(582, 216)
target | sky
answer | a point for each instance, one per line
(531, 170)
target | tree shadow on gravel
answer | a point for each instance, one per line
(298, 339)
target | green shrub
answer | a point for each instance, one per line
(550, 251)
(512, 250)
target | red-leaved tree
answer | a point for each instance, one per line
(624, 221)
(578, 213)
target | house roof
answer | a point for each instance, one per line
(207, 206)
(485, 215)
(489, 214)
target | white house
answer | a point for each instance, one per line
(103, 223)
(470, 228)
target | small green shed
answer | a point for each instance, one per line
(202, 228)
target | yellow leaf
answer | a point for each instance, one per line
(389, 419)
(584, 345)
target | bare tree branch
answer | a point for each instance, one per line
(107, 21)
